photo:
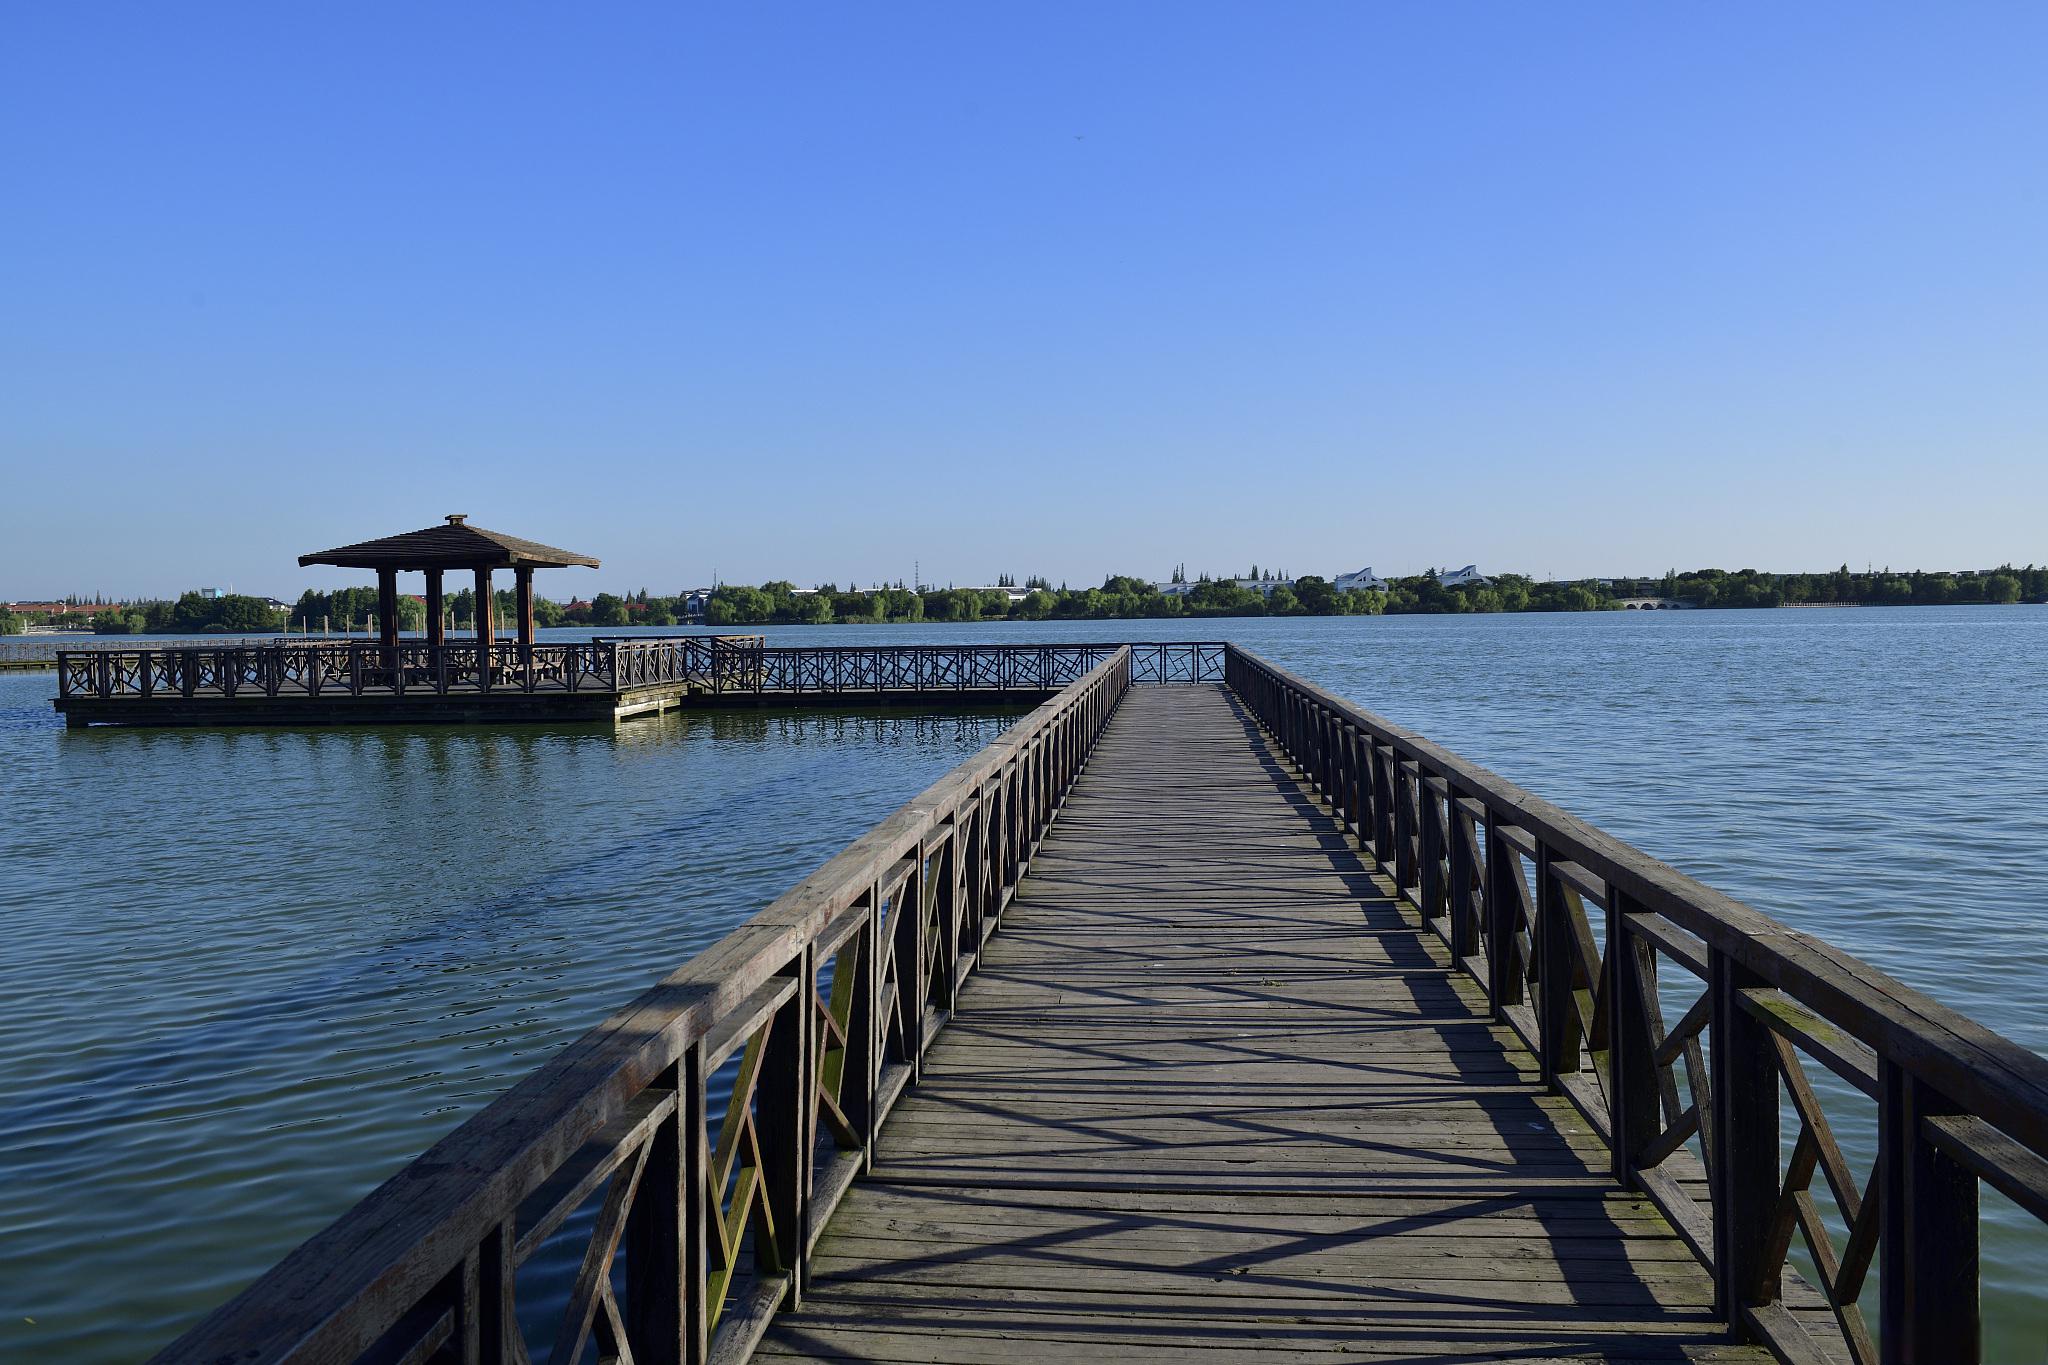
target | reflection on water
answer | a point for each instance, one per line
(249, 973)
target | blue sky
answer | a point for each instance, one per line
(817, 291)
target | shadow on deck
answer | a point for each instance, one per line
(1214, 1092)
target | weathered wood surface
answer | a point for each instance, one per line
(1214, 1092)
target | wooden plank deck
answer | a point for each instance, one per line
(1212, 1094)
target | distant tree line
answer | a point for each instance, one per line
(11, 623)
(353, 609)
(1125, 598)
(1843, 587)
(1121, 597)
(192, 614)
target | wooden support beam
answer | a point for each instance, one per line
(522, 577)
(1744, 1162)
(436, 634)
(485, 635)
(1928, 1295)
(387, 606)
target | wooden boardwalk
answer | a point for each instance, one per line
(1213, 1094)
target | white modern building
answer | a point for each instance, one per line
(1469, 576)
(1359, 580)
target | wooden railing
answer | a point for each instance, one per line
(1577, 937)
(919, 669)
(723, 665)
(315, 668)
(699, 1225)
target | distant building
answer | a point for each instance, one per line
(1262, 586)
(85, 609)
(1360, 580)
(1469, 576)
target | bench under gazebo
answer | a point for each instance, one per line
(435, 550)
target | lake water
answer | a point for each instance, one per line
(250, 973)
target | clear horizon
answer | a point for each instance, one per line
(460, 580)
(1060, 290)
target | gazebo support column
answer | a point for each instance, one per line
(436, 636)
(387, 606)
(523, 576)
(485, 635)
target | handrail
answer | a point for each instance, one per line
(922, 668)
(715, 1219)
(712, 664)
(1957, 1103)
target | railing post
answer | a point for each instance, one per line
(906, 932)
(1632, 1102)
(1928, 1296)
(861, 1072)
(1404, 822)
(1553, 951)
(495, 1326)
(1383, 806)
(967, 835)
(1431, 890)
(1503, 987)
(945, 902)
(1340, 772)
(1334, 732)
(786, 1108)
(659, 1291)
(1744, 1172)
(1458, 901)
(1361, 779)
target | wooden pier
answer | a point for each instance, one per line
(1211, 1091)
(1301, 1038)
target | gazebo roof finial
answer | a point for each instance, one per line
(457, 518)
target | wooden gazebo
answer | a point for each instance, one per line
(437, 549)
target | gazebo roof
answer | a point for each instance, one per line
(455, 545)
